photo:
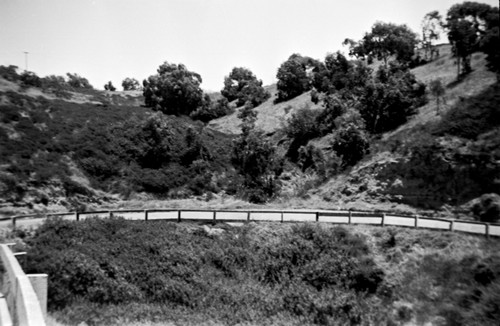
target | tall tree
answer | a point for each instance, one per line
(431, 28)
(243, 85)
(295, 76)
(174, 90)
(385, 40)
(467, 24)
(255, 160)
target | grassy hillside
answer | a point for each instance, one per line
(439, 159)
(270, 117)
(86, 148)
(118, 272)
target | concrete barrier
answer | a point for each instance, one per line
(22, 301)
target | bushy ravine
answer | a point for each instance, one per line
(116, 272)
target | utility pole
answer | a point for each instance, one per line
(26, 59)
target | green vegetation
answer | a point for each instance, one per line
(109, 87)
(309, 274)
(131, 84)
(120, 149)
(242, 85)
(294, 76)
(113, 271)
(383, 41)
(468, 24)
(255, 160)
(174, 90)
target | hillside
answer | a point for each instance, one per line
(80, 149)
(86, 148)
(446, 157)
(270, 117)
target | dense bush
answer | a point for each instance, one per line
(120, 149)
(30, 79)
(310, 274)
(77, 81)
(487, 209)
(9, 73)
(211, 110)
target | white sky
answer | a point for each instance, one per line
(112, 39)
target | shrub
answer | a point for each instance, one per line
(29, 78)
(77, 81)
(9, 73)
(487, 209)
(109, 87)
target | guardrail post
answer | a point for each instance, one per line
(487, 229)
(179, 216)
(281, 216)
(77, 216)
(145, 214)
(350, 217)
(248, 216)
(383, 219)
(452, 225)
(416, 220)
(110, 214)
(317, 216)
(214, 212)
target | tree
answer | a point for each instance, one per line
(390, 98)
(174, 90)
(490, 41)
(109, 87)
(301, 128)
(350, 140)
(255, 160)
(431, 28)
(243, 85)
(295, 76)
(385, 40)
(131, 84)
(467, 25)
(437, 90)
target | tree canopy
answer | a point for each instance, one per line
(431, 28)
(174, 90)
(385, 40)
(243, 85)
(130, 84)
(295, 76)
(470, 25)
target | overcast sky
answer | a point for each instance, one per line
(112, 39)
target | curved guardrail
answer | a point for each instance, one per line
(226, 215)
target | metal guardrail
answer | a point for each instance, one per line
(237, 215)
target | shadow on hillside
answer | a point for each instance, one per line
(472, 116)
(452, 171)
